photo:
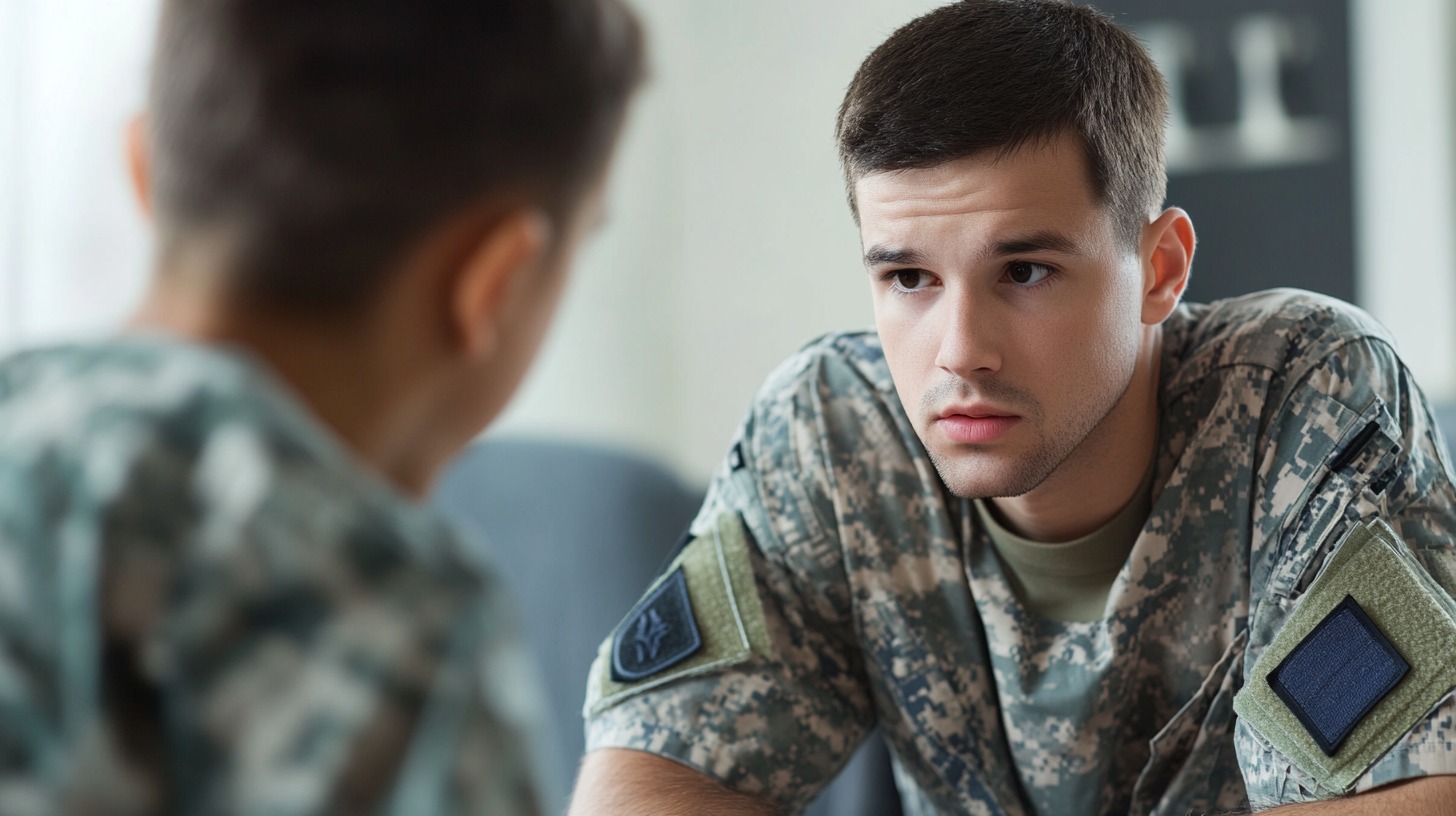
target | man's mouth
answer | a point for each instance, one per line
(975, 424)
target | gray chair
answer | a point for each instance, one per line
(578, 533)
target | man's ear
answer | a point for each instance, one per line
(137, 163)
(1167, 255)
(495, 273)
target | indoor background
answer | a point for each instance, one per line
(1313, 142)
(1313, 145)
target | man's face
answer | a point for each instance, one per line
(1009, 307)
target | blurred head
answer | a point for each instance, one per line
(1005, 162)
(313, 154)
(318, 141)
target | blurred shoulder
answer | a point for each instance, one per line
(206, 450)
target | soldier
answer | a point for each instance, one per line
(219, 591)
(1073, 546)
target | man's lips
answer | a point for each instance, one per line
(975, 424)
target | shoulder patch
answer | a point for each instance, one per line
(1367, 653)
(701, 616)
(1340, 671)
(659, 632)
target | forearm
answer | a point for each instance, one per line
(1428, 796)
(620, 782)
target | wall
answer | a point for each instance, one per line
(730, 244)
(1405, 91)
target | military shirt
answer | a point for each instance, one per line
(860, 592)
(208, 606)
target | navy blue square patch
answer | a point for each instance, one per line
(1337, 674)
(659, 633)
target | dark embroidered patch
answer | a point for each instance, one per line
(1337, 674)
(659, 633)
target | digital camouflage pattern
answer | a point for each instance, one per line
(884, 602)
(207, 606)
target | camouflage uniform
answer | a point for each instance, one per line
(207, 606)
(1286, 421)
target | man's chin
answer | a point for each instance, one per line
(972, 477)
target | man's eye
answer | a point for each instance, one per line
(1024, 273)
(910, 280)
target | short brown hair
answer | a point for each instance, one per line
(325, 137)
(982, 75)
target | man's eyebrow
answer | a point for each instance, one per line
(881, 254)
(1040, 241)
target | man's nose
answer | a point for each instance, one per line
(970, 336)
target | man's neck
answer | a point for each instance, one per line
(353, 383)
(1100, 477)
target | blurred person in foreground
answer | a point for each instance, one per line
(219, 590)
(1074, 547)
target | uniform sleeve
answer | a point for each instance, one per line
(775, 700)
(1352, 649)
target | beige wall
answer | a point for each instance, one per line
(730, 243)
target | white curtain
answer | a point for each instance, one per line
(73, 246)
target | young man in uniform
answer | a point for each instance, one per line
(219, 591)
(1074, 547)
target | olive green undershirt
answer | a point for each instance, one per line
(1069, 581)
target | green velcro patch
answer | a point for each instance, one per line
(1373, 567)
(724, 603)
